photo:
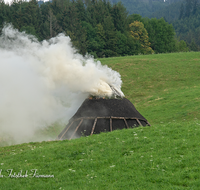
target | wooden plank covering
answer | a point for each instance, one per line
(110, 119)
(66, 130)
(148, 123)
(110, 123)
(126, 123)
(76, 129)
(93, 127)
(138, 122)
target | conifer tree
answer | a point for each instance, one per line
(195, 6)
(110, 36)
(119, 15)
(181, 11)
(81, 11)
(188, 8)
(193, 46)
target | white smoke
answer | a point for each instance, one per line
(45, 82)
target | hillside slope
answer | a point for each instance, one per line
(164, 156)
(165, 89)
(170, 12)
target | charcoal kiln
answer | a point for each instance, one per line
(102, 115)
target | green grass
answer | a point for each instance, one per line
(165, 89)
(164, 156)
(162, 87)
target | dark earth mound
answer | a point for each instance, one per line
(100, 115)
(107, 107)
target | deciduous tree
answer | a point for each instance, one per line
(139, 34)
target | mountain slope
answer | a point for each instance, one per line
(170, 12)
(144, 7)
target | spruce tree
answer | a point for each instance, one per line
(110, 36)
(195, 6)
(119, 15)
(181, 11)
(188, 8)
(193, 46)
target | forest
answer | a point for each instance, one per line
(97, 27)
(187, 26)
(184, 15)
(145, 7)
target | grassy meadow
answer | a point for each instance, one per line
(165, 89)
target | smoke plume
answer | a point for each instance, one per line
(43, 83)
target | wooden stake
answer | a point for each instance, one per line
(138, 122)
(126, 123)
(93, 127)
(66, 130)
(110, 123)
(76, 129)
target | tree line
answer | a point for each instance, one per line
(184, 16)
(170, 12)
(144, 7)
(96, 27)
(187, 26)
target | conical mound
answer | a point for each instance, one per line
(100, 115)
